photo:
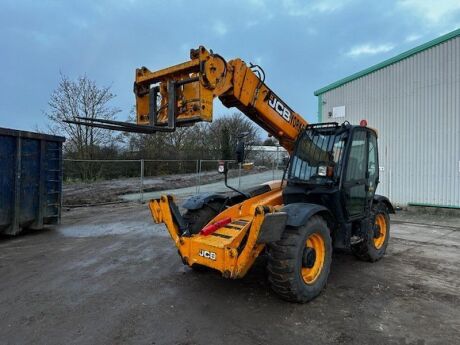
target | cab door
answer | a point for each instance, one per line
(355, 185)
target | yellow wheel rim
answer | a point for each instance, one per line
(382, 223)
(316, 242)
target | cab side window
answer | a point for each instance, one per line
(372, 165)
(357, 159)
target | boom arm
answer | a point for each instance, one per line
(185, 92)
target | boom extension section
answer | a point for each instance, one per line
(183, 94)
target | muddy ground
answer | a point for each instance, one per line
(109, 191)
(108, 275)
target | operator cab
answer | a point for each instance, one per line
(335, 166)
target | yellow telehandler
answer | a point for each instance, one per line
(325, 200)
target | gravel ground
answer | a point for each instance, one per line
(108, 275)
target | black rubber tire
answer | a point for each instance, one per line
(197, 219)
(285, 262)
(366, 250)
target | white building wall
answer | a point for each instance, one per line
(415, 106)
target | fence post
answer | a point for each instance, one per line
(277, 156)
(197, 189)
(141, 192)
(239, 175)
(199, 175)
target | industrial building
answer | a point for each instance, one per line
(413, 100)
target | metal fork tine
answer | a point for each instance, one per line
(123, 128)
(111, 122)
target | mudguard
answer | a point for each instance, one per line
(299, 213)
(386, 201)
(198, 201)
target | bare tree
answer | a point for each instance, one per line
(81, 98)
(216, 140)
(224, 132)
(160, 145)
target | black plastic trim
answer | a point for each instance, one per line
(386, 201)
(198, 201)
(299, 213)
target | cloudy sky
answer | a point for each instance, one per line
(302, 45)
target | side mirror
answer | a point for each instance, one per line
(240, 152)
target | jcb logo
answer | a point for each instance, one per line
(207, 254)
(279, 107)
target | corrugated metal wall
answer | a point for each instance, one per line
(415, 106)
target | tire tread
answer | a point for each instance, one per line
(282, 258)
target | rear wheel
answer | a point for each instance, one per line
(375, 242)
(298, 265)
(197, 219)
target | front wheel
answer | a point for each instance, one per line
(299, 264)
(374, 244)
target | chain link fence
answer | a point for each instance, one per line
(91, 182)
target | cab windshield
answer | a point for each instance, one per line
(318, 156)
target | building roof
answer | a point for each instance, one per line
(390, 61)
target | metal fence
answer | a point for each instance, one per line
(89, 182)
